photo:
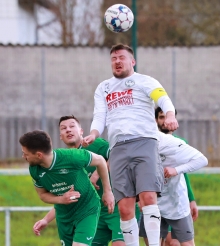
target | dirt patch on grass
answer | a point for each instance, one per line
(13, 164)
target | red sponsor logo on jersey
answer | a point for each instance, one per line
(117, 99)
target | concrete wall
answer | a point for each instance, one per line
(44, 83)
(70, 76)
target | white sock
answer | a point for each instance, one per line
(130, 232)
(152, 220)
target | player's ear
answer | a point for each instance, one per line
(39, 154)
(133, 62)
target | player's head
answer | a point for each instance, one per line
(35, 145)
(122, 60)
(160, 118)
(71, 131)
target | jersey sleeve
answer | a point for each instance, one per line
(81, 158)
(189, 188)
(100, 111)
(153, 88)
(185, 153)
(104, 148)
(158, 94)
(35, 177)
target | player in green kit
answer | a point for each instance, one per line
(108, 228)
(60, 178)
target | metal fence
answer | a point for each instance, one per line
(25, 171)
(8, 210)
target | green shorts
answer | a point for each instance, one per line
(108, 228)
(169, 228)
(80, 231)
(137, 212)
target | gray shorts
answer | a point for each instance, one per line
(181, 229)
(135, 166)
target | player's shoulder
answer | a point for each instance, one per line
(168, 140)
(101, 141)
(146, 82)
(63, 151)
(60, 153)
(98, 144)
(144, 77)
(176, 136)
(33, 170)
(106, 81)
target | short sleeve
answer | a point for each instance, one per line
(81, 158)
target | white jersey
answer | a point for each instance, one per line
(125, 107)
(174, 152)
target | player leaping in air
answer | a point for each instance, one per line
(125, 104)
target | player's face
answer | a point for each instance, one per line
(33, 159)
(160, 122)
(71, 133)
(122, 63)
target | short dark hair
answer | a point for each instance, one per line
(158, 110)
(36, 141)
(68, 117)
(121, 47)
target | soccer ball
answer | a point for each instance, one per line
(118, 18)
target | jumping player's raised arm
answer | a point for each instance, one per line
(160, 97)
(99, 119)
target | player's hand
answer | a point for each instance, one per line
(94, 178)
(194, 210)
(109, 201)
(39, 226)
(70, 196)
(169, 172)
(88, 140)
(170, 121)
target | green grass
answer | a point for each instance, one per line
(206, 189)
(19, 191)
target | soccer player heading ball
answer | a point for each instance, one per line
(125, 104)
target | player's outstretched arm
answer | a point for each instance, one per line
(67, 198)
(41, 224)
(99, 162)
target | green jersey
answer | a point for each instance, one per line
(100, 147)
(67, 170)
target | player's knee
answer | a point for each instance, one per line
(126, 213)
(118, 243)
(188, 243)
(174, 242)
(148, 198)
